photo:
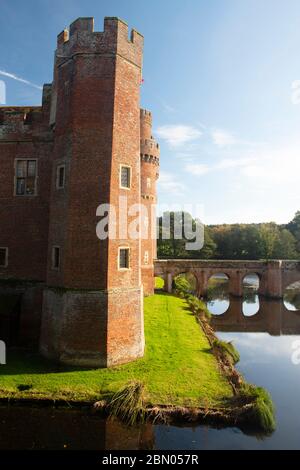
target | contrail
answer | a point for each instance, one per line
(19, 79)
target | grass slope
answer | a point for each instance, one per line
(178, 367)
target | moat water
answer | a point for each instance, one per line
(265, 333)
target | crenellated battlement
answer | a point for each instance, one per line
(81, 38)
(19, 114)
(145, 113)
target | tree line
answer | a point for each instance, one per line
(235, 241)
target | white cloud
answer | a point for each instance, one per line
(276, 166)
(197, 169)
(295, 96)
(19, 79)
(223, 138)
(169, 183)
(178, 135)
(227, 163)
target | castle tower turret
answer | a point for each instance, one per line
(93, 309)
(149, 174)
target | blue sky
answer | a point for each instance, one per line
(220, 78)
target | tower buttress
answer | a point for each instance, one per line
(93, 309)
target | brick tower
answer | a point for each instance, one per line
(93, 308)
(149, 175)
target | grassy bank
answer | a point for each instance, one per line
(178, 368)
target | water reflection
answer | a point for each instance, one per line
(59, 429)
(272, 317)
(253, 313)
(292, 297)
(218, 294)
(265, 341)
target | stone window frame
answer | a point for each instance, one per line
(58, 168)
(127, 248)
(26, 159)
(5, 248)
(53, 258)
(127, 188)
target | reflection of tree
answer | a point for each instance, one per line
(250, 293)
(292, 296)
(218, 289)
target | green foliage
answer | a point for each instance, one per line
(128, 404)
(237, 241)
(294, 228)
(159, 283)
(262, 411)
(183, 289)
(227, 350)
(182, 284)
(169, 246)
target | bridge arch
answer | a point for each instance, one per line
(291, 297)
(186, 280)
(218, 297)
(275, 275)
(251, 286)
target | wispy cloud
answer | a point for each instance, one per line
(169, 183)
(178, 135)
(168, 108)
(19, 79)
(222, 138)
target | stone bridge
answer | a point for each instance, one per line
(274, 275)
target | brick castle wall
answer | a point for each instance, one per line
(90, 122)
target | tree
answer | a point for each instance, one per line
(285, 246)
(294, 228)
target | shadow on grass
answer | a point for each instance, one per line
(22, 361)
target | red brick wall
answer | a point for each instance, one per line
(94, 110)
(24, 219)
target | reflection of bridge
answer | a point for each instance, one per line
(274, 276)
(272, 318)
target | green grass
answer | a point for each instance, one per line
(178, 367)
(228, 350)
(159, 283)
(263, 412)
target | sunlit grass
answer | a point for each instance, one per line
(178, 367)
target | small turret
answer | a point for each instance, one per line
(150, 152)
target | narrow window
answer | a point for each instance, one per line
(124, 258)
(125, 178)
(26, 174)
(56, 257)
(148, 183)
(3, 257)
(146, 257)
(60, 176)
